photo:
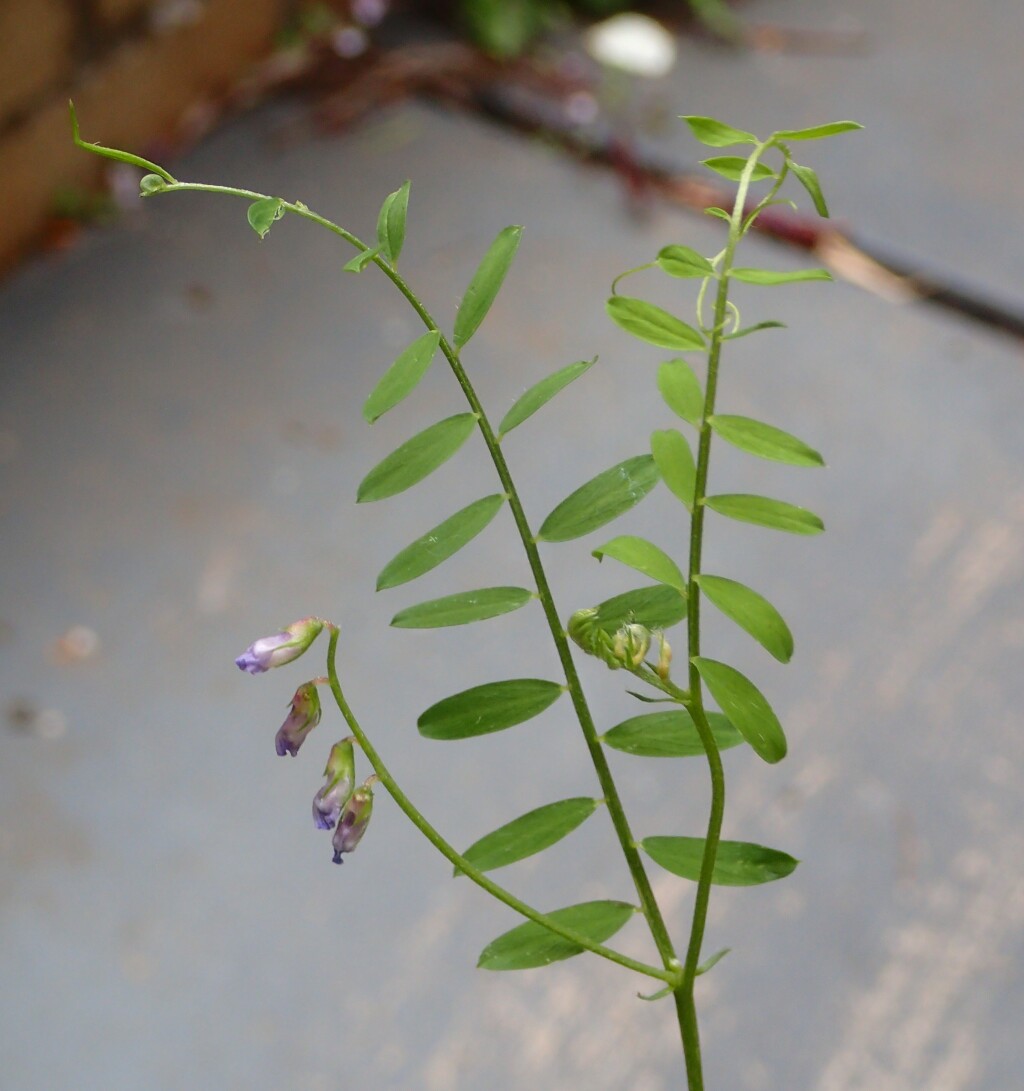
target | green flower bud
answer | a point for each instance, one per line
(630, 644)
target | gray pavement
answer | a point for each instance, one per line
(181, 439)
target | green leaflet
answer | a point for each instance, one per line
(532, 945)
(745, 706)
(401, 378)
(541, 393)
(262, 214)
(732, 167)
(669, 734)
(439, 544)
(682, 261)
(391, 223)
(486, 283)
(773, 276)
(491, 707)
(751, 612)
(716, 134)
(462, 608)
(765, 512)
(652, 324)
(417, 458)
(674, 459)
(809, 180)
(645, 557)
(737, 863)
(601, 500)
(529, 834)
(816, 132)
(764, 440)
(657, 607)
(681, 390)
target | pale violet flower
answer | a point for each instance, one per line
(281, 648)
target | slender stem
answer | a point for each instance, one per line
(431, 834)
(685, 1003)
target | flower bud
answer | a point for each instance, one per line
(304, 716)
(630, 644)
(332, 797)
(353, 821)
(281, 648)
(664, 658)
(583, 629)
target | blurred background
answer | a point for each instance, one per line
(180, 444)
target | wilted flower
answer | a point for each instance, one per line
(283, 647)
(304, 716)
(332, 797)
(353, 821)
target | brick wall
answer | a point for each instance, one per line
(133, 67)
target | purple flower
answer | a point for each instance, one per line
(340, 772)
(304, 716)
(281, 648)
(353, 822)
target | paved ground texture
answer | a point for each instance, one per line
(180, 438)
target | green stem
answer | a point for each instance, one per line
(446, 850)
(685, 1003)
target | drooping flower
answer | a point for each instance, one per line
(340, 772)
(303, 717)
(353, 822)
(281, 648)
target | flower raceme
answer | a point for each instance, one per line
(303, 717)
(281, 648)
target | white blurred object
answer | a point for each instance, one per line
(633, 43)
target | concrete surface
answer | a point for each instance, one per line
(181, 441)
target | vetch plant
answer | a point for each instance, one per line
(626, 633)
